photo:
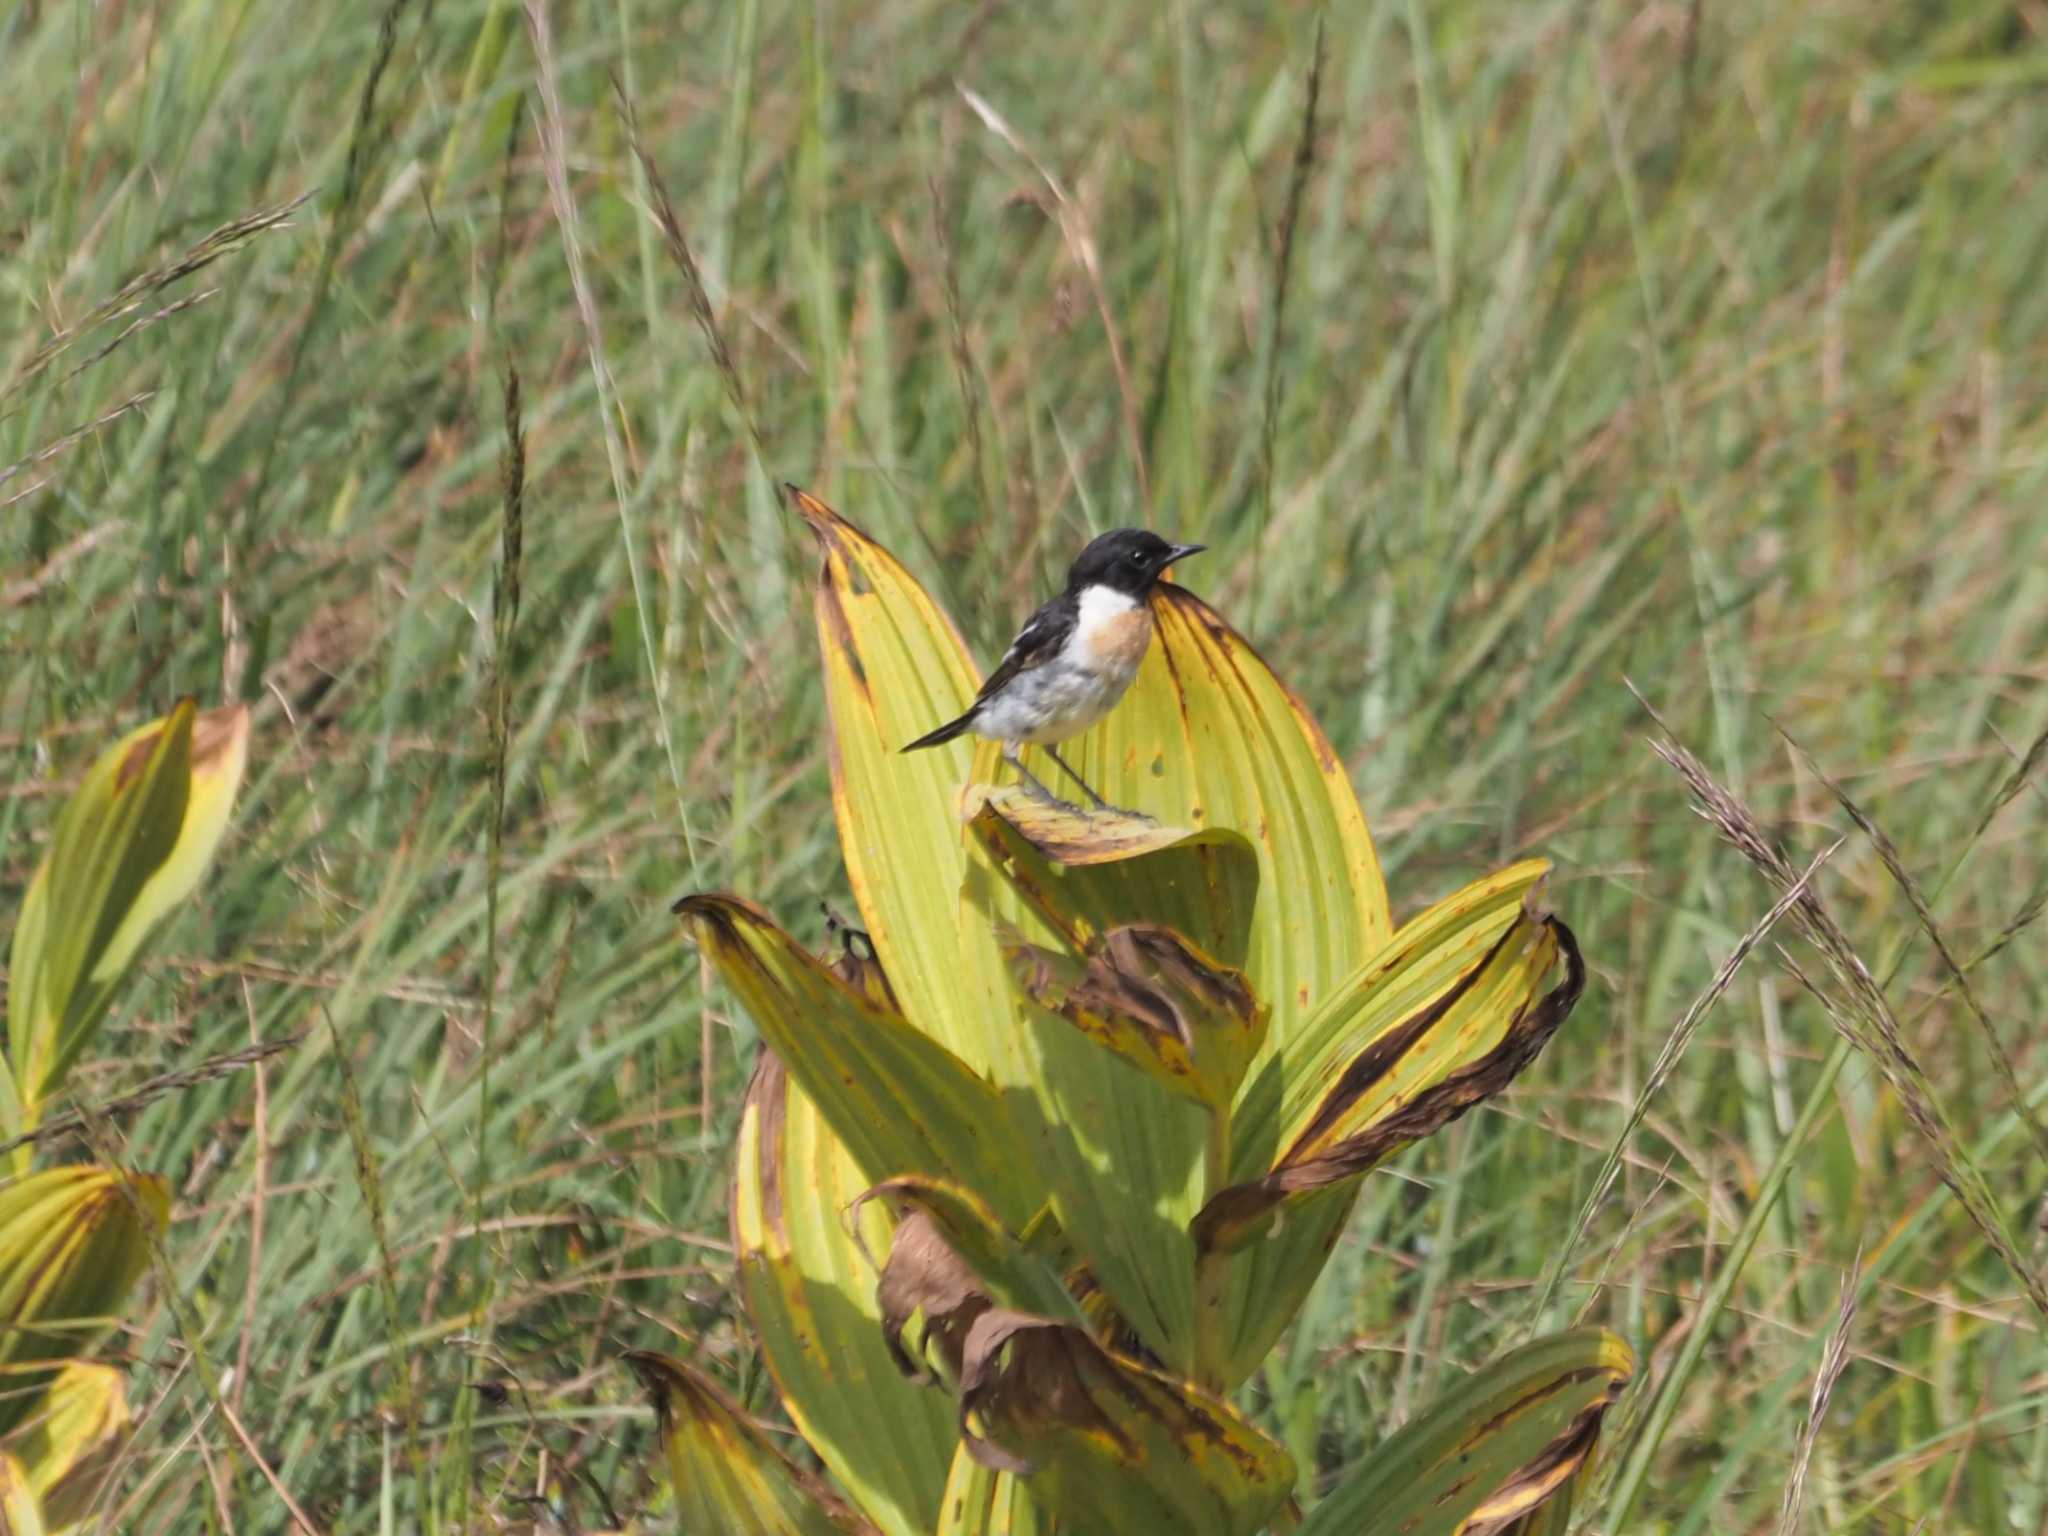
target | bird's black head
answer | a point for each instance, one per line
(1128, 559)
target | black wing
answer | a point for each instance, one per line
(1041, 639)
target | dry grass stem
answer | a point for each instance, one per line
(1833, 1361)
(1861, 1011)
(1668, 1059)
(1959, 975)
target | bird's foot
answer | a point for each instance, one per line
(1098, 807)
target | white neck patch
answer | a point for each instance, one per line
(1099, 604)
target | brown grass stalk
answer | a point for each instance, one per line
(1833, 1361)
(1858, 1007)
(1959, 975)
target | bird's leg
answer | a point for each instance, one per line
(1094, 799)
(1013, 755)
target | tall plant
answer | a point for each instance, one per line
(129, 846)
(1027, 1185)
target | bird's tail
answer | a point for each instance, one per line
(944, 733)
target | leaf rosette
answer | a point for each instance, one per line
(1076, 1134)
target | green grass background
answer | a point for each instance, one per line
(1705, 345)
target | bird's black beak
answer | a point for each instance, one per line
(1181, 552)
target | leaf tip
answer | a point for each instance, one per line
(220, 739)
(823, 520)
(716, 908)
(657, 1374)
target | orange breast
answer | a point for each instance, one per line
(1118, 644)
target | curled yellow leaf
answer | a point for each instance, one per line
(129, 846)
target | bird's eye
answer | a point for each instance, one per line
(1135, 558)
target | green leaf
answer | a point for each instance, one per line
(1430, 955)
(1123, 1142)
(980, 1501)
(1123, 1158)
(1413, 1072)
(1492, 1450)
(1102, 1441)
(900, 1101)
(1133, 1139)
(1209, 737)
(810, 1295)
(727, 1476)
(73, 1441)
(1392, 1056)
(72, 1243)
(130, 845)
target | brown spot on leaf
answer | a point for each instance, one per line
(838, 633)
(1232, 648)
(136, 758)
(859, 966)
(1385, 1053)
(216, 733)
(830, 528)
(1160, 605)
(1148, 972)
(1069, 835)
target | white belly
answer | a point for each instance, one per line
(1066, 695)
(1051, 703)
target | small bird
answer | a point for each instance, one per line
(1075, 657)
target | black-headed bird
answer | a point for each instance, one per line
(1075, 657)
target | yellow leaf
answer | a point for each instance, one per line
(72, 1243)
(1081, 873)
(1152, 999)
(894, 668)
(810, 1295)
(1208, 736)
(980, 1501)
(1421, 1068)
(1418, 966)
(21, 1513)
(900, 1101)
(130, 845)
(1268, 1279)
(1207, 739)
(73, 1441)
(1492, 1451)
(727, 1475)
